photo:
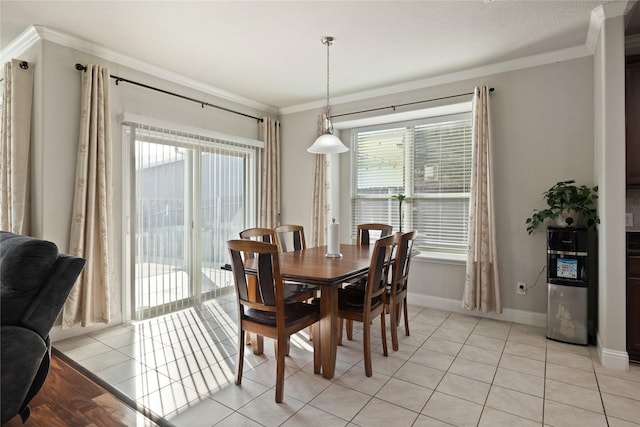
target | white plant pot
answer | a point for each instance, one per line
(569, 218)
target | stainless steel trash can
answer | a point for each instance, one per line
(567, 315)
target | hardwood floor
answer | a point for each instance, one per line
(70, 399)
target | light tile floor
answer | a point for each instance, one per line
(454, 369)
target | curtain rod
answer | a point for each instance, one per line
(81, 67)
(23, 64)
(404, 105)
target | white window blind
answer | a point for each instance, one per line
(427, 160)
(190, 194)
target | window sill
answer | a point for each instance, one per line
(441, 257)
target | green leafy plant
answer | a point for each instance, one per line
(566, 196)
(400, 198)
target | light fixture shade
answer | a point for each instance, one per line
(327, 144)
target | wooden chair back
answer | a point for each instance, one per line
(290, 237)
(397, 294)
(260, 234)
(378, 276)
(296, 292)
(402, 261)
(268, 280)
(370, 232)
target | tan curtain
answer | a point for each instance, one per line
(482, 288)
(17, 95)
(269, 133)
(91, 229)
(320, 200)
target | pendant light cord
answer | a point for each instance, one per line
(328, 41)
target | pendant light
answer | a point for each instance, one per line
(327, 143)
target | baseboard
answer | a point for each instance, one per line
(507, 315)
(612, 359)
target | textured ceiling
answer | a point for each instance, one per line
(270, 51)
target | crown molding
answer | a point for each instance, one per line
(595, 24)
(36, 33)
(24, 41)
(600, 14)
(487, 70)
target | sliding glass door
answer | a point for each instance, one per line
(190, 195)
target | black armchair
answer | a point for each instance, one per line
(35, 281)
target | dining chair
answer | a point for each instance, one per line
(366, 234)
(272, 316)
(397, 290)
(360, 305)
(372, 231)
(290, 237)
(260, 234)
(292, 291)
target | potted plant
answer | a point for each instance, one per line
(400, 198)
(568, 204)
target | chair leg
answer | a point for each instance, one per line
(240, 357)
(275, 346)
(258, 344)
(406, 318)
(393, 320)
(281, 351)
(256, 341)
(339, 336)
(350, 330)
(366, 347)
(383, 331)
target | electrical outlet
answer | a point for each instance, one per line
(521, 288)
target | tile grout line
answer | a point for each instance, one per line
(604, 409)
(484, 406)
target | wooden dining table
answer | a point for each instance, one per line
(312, 266)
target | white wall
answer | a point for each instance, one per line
(56, 121)
(542, 120)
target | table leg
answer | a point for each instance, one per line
(328, 329)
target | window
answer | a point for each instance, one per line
(190, 193)
(428, 160)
